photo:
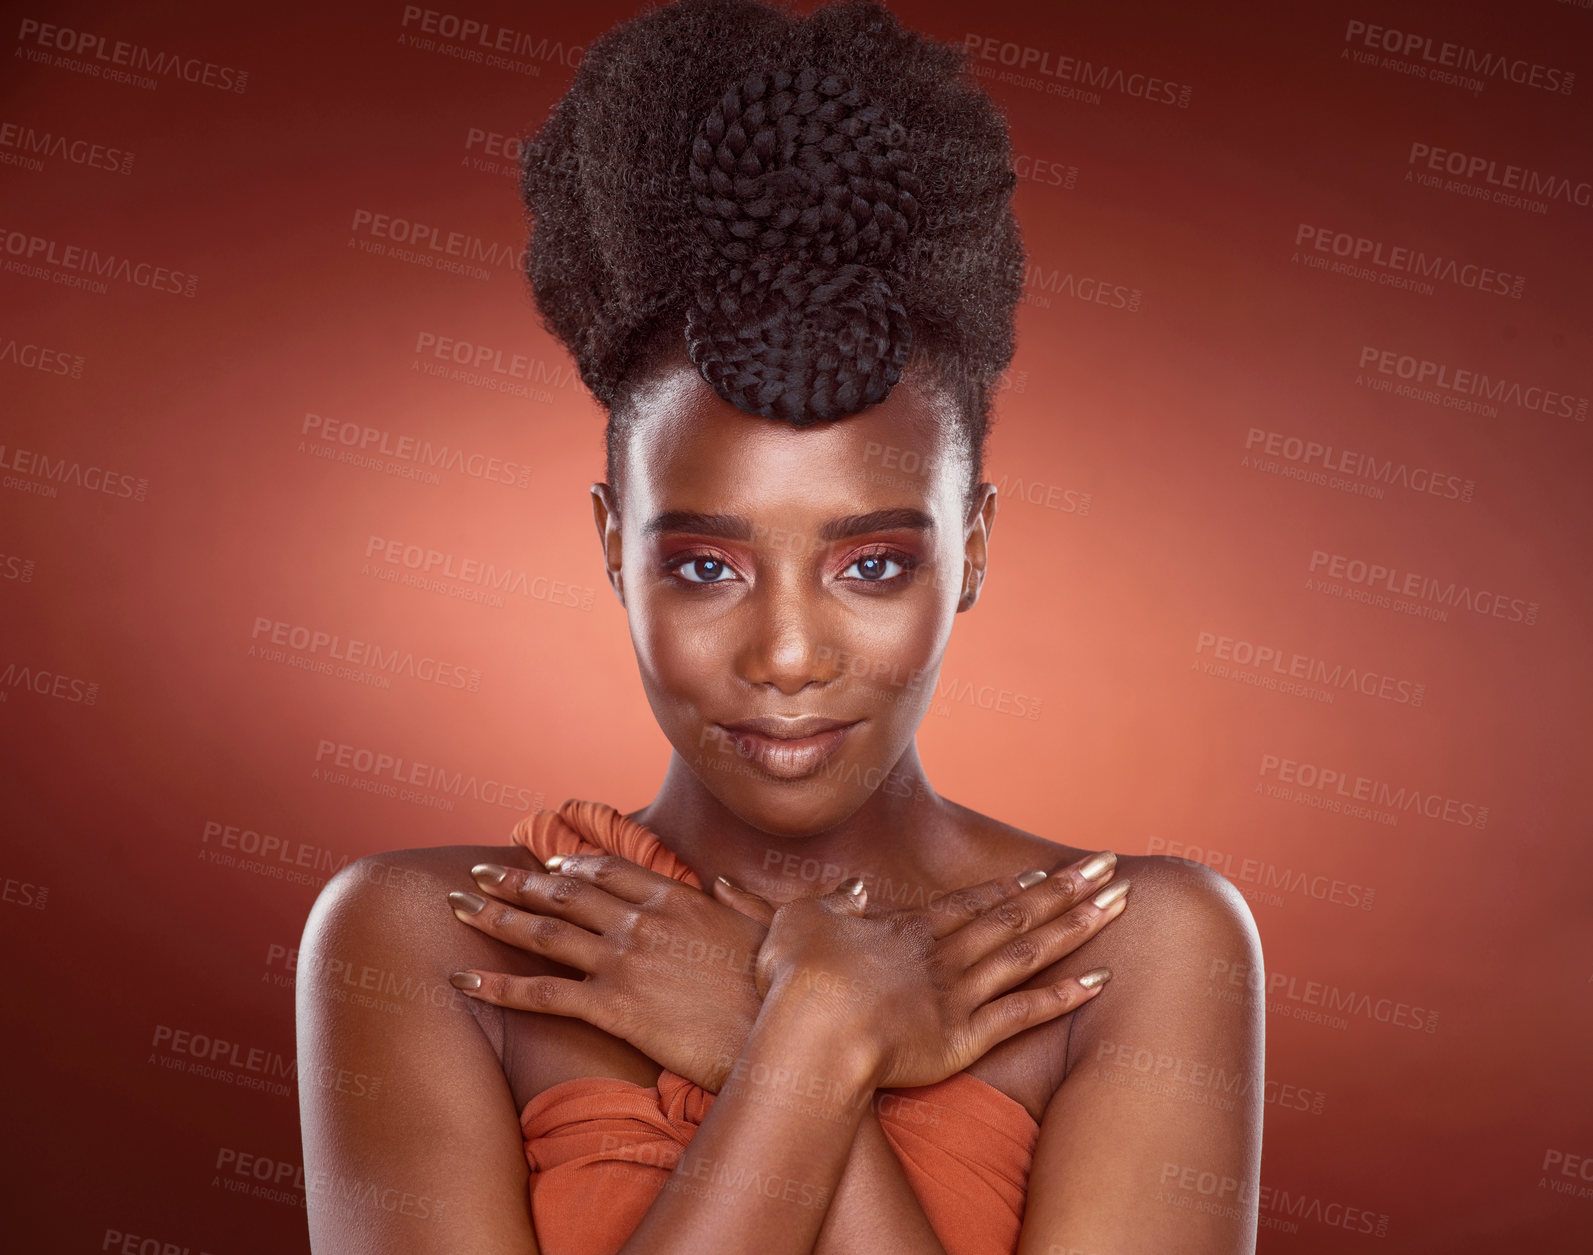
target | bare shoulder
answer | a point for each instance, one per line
(1172, 954)
(382, 936)
(1186, 901)
(409, 882)
(400, 1074)
(1177, 901)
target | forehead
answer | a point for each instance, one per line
(690, 448)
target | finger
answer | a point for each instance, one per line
(546, 893)
(748, 903)
(628, 881)
(961, 905)
(996, 1021)
(1021, 957)
(1061, 890)
(850, 897)
(552, 995)
(547, 935)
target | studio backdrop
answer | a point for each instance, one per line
(1289, 575)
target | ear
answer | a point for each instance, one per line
(976, 544)
(605, 513)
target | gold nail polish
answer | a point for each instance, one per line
(469, 903)
(853, 887)
(492, 873)
(1098, 865)
(465, 980)
(1029, 879)
(553, 863)
(1109, 895)
(1097, 977)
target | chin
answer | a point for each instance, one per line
(791, 810)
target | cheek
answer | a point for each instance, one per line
(674, 660)
(896, 651)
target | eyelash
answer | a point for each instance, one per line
(906, 561)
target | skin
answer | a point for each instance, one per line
(900, 986)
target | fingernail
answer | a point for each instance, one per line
(469, 903)
(726, 883)
(1099, 865)
(553, 863)
(853, 887)
(490, 872)
(1098, 977)
(1029, 879)
(1107, 896)
(465, 980)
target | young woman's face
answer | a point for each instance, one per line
(800, 579)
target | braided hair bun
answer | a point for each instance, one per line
(801, 204)
(803, 194)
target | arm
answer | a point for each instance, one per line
(412, 1144)
(1139, 1165)
(873, 1207)
(760, 1172)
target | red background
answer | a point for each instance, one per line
(1130, 525)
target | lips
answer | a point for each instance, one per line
(789, 748)
(787, 728)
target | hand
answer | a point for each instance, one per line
(918, 990)
(672, 970)
(669, 969)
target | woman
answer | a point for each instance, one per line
(782, 253)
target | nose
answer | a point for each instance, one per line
(788, 643)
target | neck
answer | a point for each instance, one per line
(888, 835)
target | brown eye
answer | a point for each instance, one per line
(704, 570)
(876, 568)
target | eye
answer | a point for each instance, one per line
(875, 567)
(703, 569)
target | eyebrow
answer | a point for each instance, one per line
(739, 527)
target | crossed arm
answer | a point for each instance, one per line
(434, 1160)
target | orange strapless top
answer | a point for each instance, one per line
(600, 1148)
